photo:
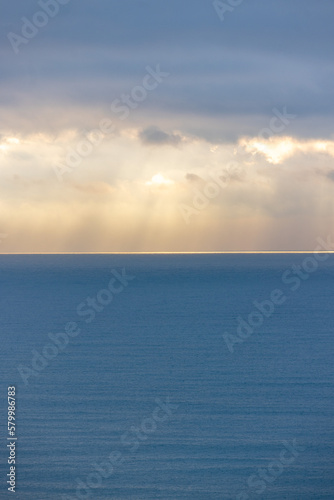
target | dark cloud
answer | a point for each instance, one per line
(330, 175)
(302, 27)
(155, 136)
(193, 178)
(264, 55)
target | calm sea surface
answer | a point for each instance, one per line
(151, 384)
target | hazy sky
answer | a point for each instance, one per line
(154, 125)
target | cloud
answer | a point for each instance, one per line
(222, 85)
(193, 178)
(222, 88)
(278, 149)
(157, 137)
(330, 175)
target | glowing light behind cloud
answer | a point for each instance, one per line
(159, 180)
(223, 85)
(100, 207)
(8, 142)
(278, 149)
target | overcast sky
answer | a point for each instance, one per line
(179, 125)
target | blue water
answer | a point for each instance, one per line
(162, 338)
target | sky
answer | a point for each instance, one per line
(154, 125)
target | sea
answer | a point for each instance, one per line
(167, 376)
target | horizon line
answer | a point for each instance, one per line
(236, 252)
